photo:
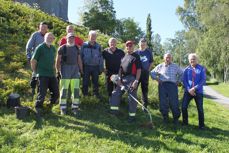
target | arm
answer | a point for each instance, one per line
(58, 65)
(30, 46)
(202, 79)
(33, 65)
(135, 83)
(80, 64)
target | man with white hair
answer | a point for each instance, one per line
(112, 56)
(193, 80)
(168, 75)
(92, 63)
(43, 63)
(68, 66)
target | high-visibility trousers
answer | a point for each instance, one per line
(74, 85)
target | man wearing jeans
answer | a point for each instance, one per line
(42, 63)
(194, 79)
(168, 76)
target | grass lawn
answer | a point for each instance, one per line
(97, 131)
(222, 88)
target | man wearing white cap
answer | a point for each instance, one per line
(68, 66)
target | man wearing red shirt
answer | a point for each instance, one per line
(78, 40)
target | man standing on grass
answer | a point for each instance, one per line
(43, 64)
(112, 57)
(129, 75)
(146, 58)
(35, 39)
(91, 55)
(168, 76)
(194, 79)
(69, 66)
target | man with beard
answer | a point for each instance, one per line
(68, 66)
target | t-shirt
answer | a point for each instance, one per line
(71, 54)
(130, 63)
(78, 41)
(113, 60)
(146, 58)
(45, 57)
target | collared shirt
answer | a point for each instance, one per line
(35, 39)
(194, 77)
(167, 73)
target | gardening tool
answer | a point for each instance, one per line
(115, 78)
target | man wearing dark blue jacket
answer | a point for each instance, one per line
(92, 63)
(194, 78)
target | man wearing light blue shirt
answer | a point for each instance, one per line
(168, 75)
(194, 79)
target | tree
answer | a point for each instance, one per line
(157, 47)
(149, 32)
(128, 29)
(100, 14)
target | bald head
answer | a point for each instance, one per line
(167, 58)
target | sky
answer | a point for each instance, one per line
(164, 20)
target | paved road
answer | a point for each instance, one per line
(215, 96)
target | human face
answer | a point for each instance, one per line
(143, 45)
(49, 38)
(167, 59)
(43, 28)
(71, 40)
(70, 29)
(92, 38)
(193, 61)
(130, 48)
(112, 44)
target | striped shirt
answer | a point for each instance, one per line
(167, 73)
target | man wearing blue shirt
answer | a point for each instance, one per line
(193, 80)
(146, 58)
(168, 75)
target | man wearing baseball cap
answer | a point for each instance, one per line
(68, 65)
(129, 75)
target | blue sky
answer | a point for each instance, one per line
(165, 22)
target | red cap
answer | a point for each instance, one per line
(129, 42)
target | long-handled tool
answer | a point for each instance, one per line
(115, 78)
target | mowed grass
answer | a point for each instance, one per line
(222, 88)
(98, 131)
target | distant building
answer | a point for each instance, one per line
(58, 8)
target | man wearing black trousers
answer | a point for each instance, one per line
(146, 58)
(112, 57)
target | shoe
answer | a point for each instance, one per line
(175, 121)
(144, 110)
(76, 112)
(201, 128)
(63, 112)
(185, 123)
(114, 112)
(131, 119)
(165, 119)
(38, 112)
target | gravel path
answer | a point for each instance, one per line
(215, 96)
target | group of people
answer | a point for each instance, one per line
(75, 58)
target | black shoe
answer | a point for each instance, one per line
(175, 121)
(185, 123)
(38, 112)
(131, 119)
(201, 128)
(76, 112)
(144, 110)
(114, 112)
(166, 119)
(63, 111)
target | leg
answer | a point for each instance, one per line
(54, 90)
(144, 86)
(43, 86)
(86, 79)
(75, 84)
(199, 103)
(95, 80)
(64, 84)
(186, 100)
(110, 85)
(115, 99)
(164, 105)
(172, 91)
